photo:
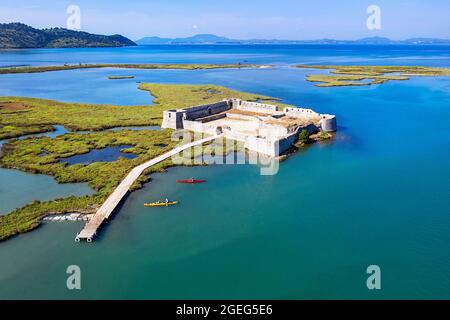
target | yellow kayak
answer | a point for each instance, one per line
(160, 204)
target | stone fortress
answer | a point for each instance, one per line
(263, 128)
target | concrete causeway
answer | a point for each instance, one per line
(103, 213)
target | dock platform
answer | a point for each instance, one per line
(89, 231)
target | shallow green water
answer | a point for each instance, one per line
(19, 188)
(378, 194)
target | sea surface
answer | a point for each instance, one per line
(379, 194)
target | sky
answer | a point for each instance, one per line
(239, 19)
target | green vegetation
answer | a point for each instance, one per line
(120, 77)
(19, 35)
(350, 80)
(38, 115)
(42, 155)
(321, 136)
(8, 132)
(303, 137)
(186, 95)
(353, 75)
(124, 66)
(306, 140)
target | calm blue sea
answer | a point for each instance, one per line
(378, 194)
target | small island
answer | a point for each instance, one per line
(368, 75)
(120, 77)
(186, 66)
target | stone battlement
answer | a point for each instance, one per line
(263, 127)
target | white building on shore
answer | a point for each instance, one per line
(262, 127)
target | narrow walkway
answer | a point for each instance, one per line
(90, 229)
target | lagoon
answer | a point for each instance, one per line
(19, 188)
(107, 154)
(377, 194)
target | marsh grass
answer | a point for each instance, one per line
(354, 75)
(124, 66)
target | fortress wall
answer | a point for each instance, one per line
(234, 136)
(265, 146)
(253, 106)
(172, 119)
(311, 128)
(242, 117)
(328, 123)
(197, 126)
(270, 147)
(206, 110)
(272, 131)
(300, 113)
(286, 143)
(272, 139)
(212, 118)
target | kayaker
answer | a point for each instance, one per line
(167, 200)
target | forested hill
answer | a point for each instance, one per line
(19, 35)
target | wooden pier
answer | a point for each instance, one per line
(90, 229)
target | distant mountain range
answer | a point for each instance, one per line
(19, 35)
(213, 39)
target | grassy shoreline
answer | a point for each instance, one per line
(38, 69)
(42, 114)
(353, 75)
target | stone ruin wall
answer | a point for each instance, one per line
(206, 110)
(327, 122)
(300, 113)
(175, 119)
(271, 141)
(197, 126)
(253, 106)
(172, 119)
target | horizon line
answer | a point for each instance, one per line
(238, 39)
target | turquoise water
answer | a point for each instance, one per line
(19, 188)
(377, 194)
(85, 86)
(58, 130)
(100, 155)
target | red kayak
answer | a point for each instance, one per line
(190, 181)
